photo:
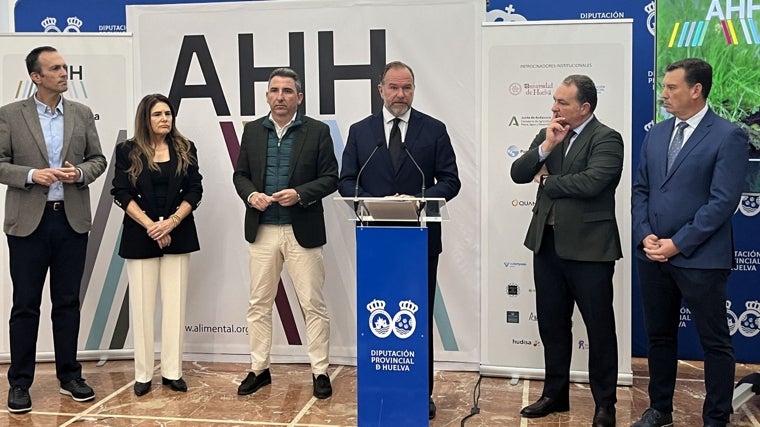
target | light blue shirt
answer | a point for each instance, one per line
(52, 129)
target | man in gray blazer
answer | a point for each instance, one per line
(577, 162)
(49, 154)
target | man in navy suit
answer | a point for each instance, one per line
(687, 187)
(392, 172)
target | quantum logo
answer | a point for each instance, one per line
(735, 31)
(517, 202)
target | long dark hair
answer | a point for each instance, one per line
(143, 146)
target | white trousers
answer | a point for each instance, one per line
(145, 275)
(275, 245)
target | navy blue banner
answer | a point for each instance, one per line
(87, 16)
(392, 339)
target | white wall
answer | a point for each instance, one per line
(6, 14)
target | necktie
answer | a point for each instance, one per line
(394, 142)
(566, 142)
(676, 144)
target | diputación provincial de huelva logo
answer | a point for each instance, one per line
(736, 23)
(749, 204)
(747, 323)
(402, 324)
(73, 25)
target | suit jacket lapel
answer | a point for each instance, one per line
(697, 136)
(174, 180)
(579, 144)
(68, 127)
(260, 142)
(32, 119)
(378, 131)
(145, 184)
(413, 129)
(299, 139)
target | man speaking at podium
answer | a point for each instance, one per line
(577, 162)
(387, 148)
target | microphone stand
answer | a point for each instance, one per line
(422, 193)
(358, 175)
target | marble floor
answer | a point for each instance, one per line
(212, 399)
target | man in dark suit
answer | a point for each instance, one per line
(687, 187)
(577, 162)
(392, 171)
(285, 167)
(49, 155)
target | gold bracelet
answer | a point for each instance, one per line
(176, 219)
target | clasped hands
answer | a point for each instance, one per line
(159, 231)
(68, 174)
(659, 250)
(261, 201)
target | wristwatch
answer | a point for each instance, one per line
(543, 180)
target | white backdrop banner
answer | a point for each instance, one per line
(522, 65)
(214, 59)
(100, 74)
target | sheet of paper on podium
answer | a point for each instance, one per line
(392, 209)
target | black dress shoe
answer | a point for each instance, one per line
(321, 386)
(176, 385)
(604, 416)
(141, 388)
(253, 382)
(432, 408)
(543, 407)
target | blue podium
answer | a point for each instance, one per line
(392, 311)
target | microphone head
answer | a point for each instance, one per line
(403, 146)
(380, 143)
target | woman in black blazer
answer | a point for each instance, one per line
(158, 185)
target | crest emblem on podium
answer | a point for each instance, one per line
(402, 324)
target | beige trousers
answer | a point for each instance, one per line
(276, 245)
(145, 276)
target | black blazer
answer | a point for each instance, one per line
(313, 174)
(581, 188)
(135, 242)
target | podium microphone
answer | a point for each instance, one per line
(405, 148)
(358, 175)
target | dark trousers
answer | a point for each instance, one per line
(432, 283)
(55, 246)
(560, 284)
(704, 291)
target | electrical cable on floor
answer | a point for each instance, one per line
(475, 398)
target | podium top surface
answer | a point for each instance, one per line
(400, 209)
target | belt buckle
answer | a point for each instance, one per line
(57, 206)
